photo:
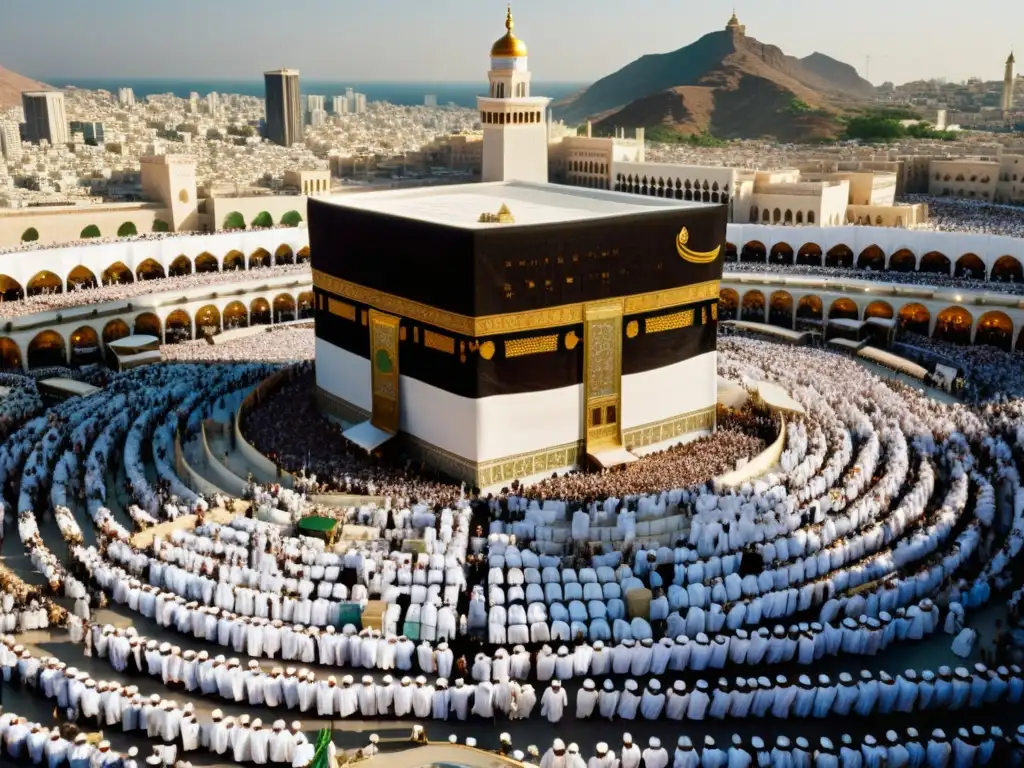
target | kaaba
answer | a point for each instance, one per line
(512, 330)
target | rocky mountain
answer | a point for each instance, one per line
(11, 86)
(726, 84)
(841, 75)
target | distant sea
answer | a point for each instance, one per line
(406, 94)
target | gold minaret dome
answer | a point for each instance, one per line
(509, 46)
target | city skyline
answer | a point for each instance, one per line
(387, 42)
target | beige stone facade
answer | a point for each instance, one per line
(997, 179)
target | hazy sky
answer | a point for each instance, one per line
(448, 40)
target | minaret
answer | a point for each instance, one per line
(515, 123)
(1008, 87)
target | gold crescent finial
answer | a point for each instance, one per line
(509, 24)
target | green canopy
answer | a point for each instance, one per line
(317, 524)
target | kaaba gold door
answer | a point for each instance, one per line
(384, 378)
(602, 379)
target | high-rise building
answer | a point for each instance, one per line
(193, 103)
(339, 105)
(213, 104)
(359, 103)
(10, 142)
(317, 118)
(45, 118)
(92, 132)
(430, 100)
(126, 97)
(312, 104)
(284, 107)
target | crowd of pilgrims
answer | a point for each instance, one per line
(289, 428)
(880, 525)
(976, 217)
(278, 344)
(84, 294)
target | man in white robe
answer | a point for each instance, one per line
(461, 696)
(602, 758)
(586, 700)
(556, 756)
(440, 700)
(629, 701)
(554, 702)
(652, 702)
(677, 700)
(699, 701)
(608, 700)
(630, 755)
(519, 666)
(281, 744)
(421, 698)
(483, 699)
(685, 755)
(655, 756)
(366, 694)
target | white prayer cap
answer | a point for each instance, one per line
(654, 742)
(631, 685)
(627, 738)
(554, 683)
(847, 739)
(609, 685)
(962, 733)
(154, 698)
(892, 736)
(802, 742)
(374, 738)
(296, 725)
(518, 755)
(443, 647)
(518, 648)
(470, 741)
(104, 745)
(885, 677)
(153, 760)
(678, 686)
(938, 733)
(601, 748)
(558, 744)
(505, 738)
(655, 685)
(257, 723)
(421, 680)
(243, 720)
(278, 725)
(782, 742)
(844, 677)
(442, 682)
(684, 742)
(254, 664)
(826, 743)
(781, 680)
(629, 642)
(81, 738)
(133, 751)
(981, 668)
(737, 741)
(453, 739)
(387, 680)
(702, 685)
(367, 679)
(722, 682)
(912, 733)
(563, 651)
(647, 642)
(589, 685)
(702, 638)
(574, 749)
(804, 680)
(757, 742)
(217, 714)
(331, 680)
(348, 680)
(709, 742)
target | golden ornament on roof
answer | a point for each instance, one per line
(509, 46)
